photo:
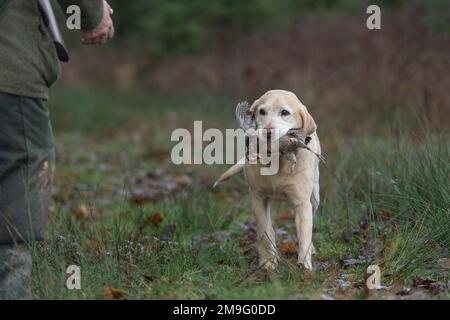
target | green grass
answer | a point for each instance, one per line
(374, 186)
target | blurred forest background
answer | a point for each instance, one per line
(319, 49)
(141, 227)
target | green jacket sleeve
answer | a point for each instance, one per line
(91, 11)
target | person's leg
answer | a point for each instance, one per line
(26, 168)
(15, 272)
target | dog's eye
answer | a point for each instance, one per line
(285, 113)
(262, 112)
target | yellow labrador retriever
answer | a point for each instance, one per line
(280, 111)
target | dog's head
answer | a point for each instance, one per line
(280, 111)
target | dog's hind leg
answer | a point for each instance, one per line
(315, 196)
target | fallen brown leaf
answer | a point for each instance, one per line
(386, 215)
(141, 196)
(81, 212)
(156, 218)
(113, 294)
(289, 247)
(148, 277)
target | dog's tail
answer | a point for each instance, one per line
(235, 169)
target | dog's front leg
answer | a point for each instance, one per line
(304, 225)
(265, 242)
(302, 209)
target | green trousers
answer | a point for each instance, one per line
(15, 272)
(26, 168)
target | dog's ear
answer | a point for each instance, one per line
(254, 108)
(308, 123)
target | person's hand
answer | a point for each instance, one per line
(103, 32)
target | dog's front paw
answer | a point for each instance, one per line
(305, 261)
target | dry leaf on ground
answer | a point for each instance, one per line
(112, 293)
(386, 215)
(148, 277)
(289, 247)
(81, 212)
(156, 218)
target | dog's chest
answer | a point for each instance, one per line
(273, 186)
